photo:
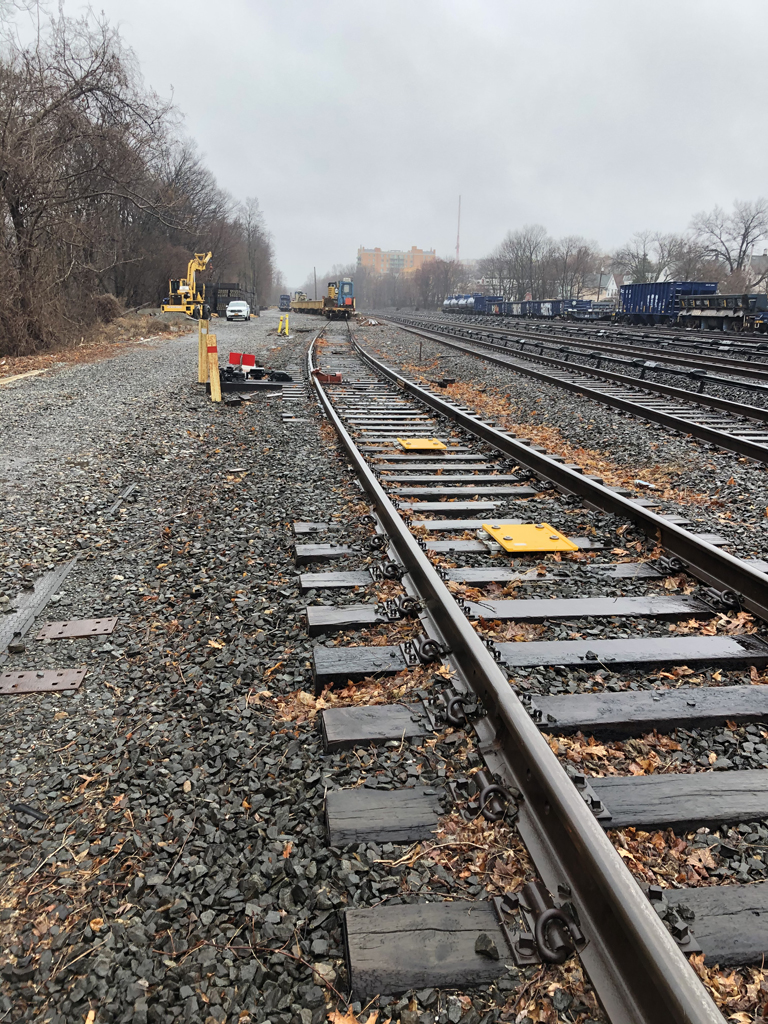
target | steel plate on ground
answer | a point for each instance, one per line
(421, 444)
(71, 629)
(41, 682)
(522, 537)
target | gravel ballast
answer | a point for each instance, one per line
(175, 865)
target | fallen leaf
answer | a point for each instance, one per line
(97, 923)
(337, 1017)
(701, 858)
(216, 644)
(287, 850)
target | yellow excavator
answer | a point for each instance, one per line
(184, 295)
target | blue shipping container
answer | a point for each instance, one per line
(659, 298)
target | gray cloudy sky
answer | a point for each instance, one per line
(362, 122)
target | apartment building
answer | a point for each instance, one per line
(394, 261)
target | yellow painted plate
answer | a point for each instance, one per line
(421, 444)
(520, 538)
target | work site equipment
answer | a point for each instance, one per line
(338, 304)
(184, 294)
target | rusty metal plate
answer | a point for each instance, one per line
(74, 628)
(39, 682)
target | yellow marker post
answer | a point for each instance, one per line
(213, 368)
(421, 444)
(286, 325)
(202, 352)
(522, 538)
(280, 326)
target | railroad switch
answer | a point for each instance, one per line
(520, 538)
(421, 444)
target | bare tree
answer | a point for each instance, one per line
(728, 238)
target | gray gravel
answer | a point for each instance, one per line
(181, 872)
(736, 510)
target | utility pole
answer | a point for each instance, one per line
(458, 232)
(314, 271)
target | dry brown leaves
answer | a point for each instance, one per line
(301, 706)
(518, 632)
(337, 1017)
(647, 756)
(741, 994)
(494, 404)
(491, 852)
(104, 342)
(534, 1000)
(663, 858)
(731, 625)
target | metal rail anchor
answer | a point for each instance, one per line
(551, 934)
(422, 650)
(493, 801)
(397, 608)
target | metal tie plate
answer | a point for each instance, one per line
(40, 682)
(421, 444)
(74, 628)
(519, 538)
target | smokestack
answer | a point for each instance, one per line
(458, 232)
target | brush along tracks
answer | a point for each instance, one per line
(475, 647)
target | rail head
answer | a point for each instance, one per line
(726, 573)
(637, 969)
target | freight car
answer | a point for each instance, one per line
(337, 304)
(725, 312)
(657, 302)
(496, 305)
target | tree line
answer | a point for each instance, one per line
(102, 197)
(719, 246)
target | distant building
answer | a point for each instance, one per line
(615, 281)
(604, 285)
(394, 261)
(759, 265)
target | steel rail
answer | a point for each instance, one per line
(729, 442)
(707, 563)
(638, 971)
(555, 344)
(740, 367)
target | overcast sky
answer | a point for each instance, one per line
(360, 122)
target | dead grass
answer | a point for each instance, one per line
(493, 404)
(105, 342)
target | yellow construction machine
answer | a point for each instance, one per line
(184, 295)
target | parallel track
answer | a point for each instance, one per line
(636, 967)
(665, 350)
(729, 425)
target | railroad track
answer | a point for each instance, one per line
(634, 340)
(584, 902)
(730, 425)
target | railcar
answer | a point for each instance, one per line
(708, 312)
(337, 304)
(657, 302)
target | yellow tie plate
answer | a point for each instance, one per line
(520, 538)
(421, 444)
